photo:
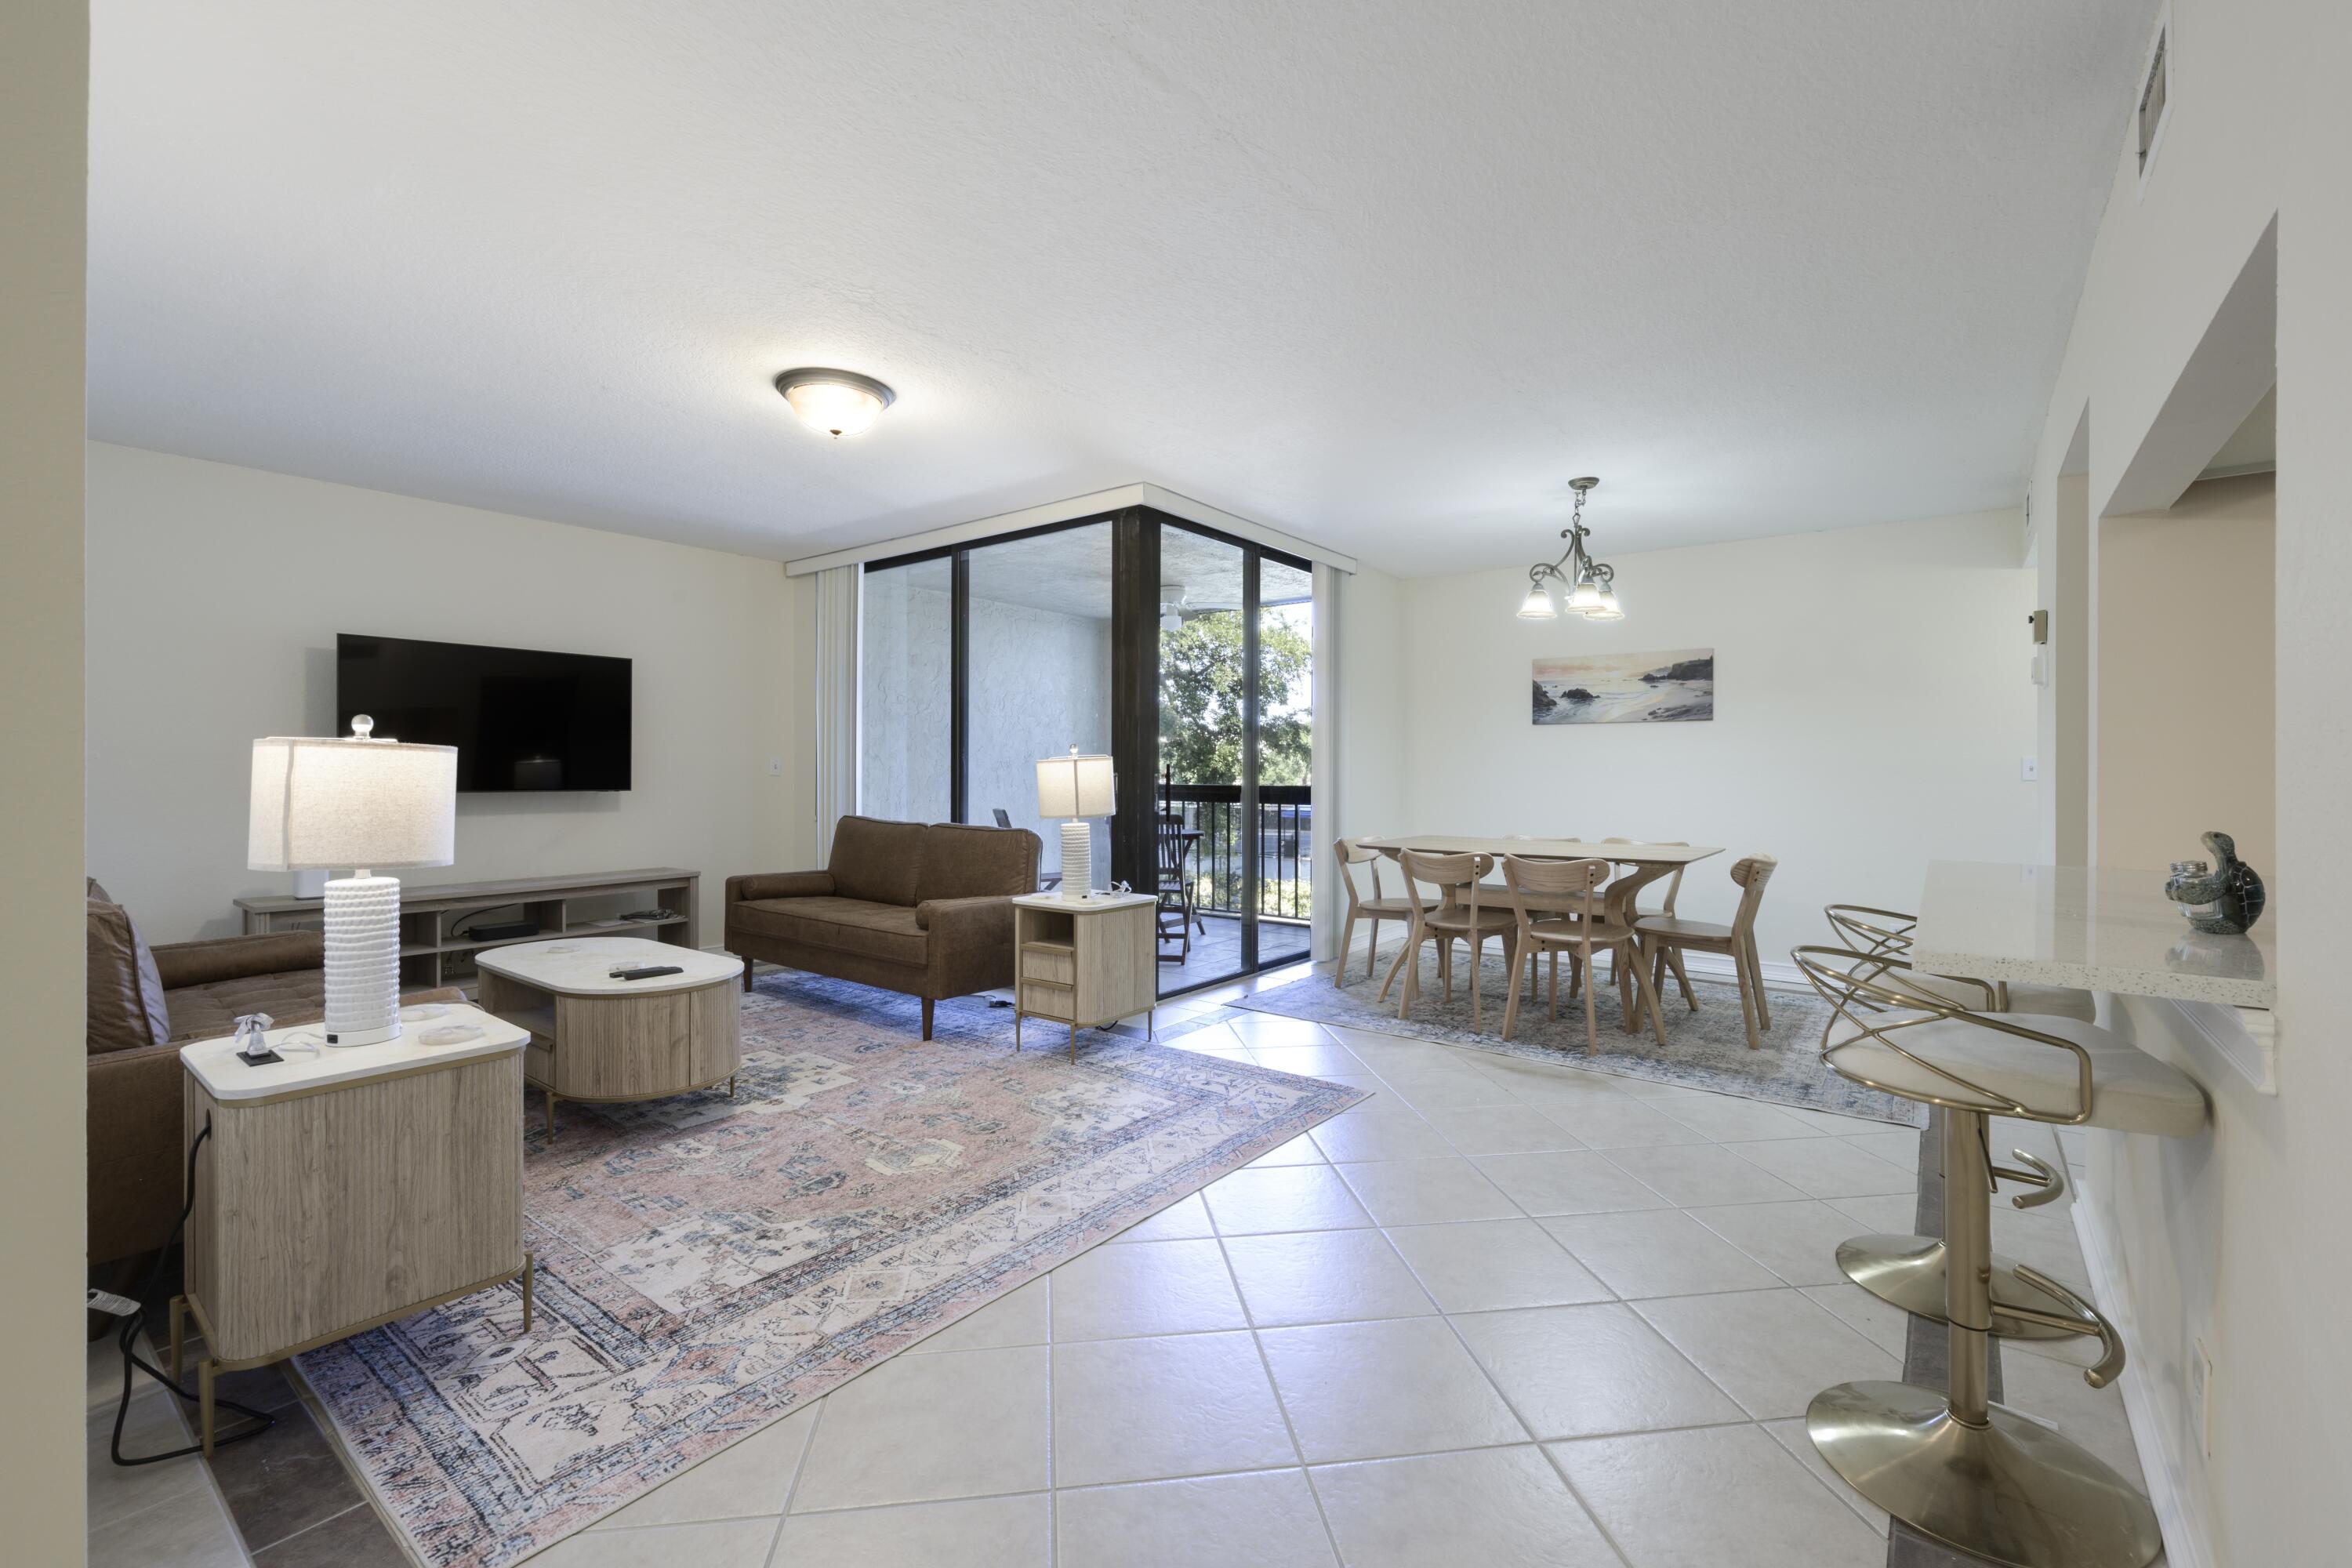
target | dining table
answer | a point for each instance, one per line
(1648, 861)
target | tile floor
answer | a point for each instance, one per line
(1501, 1312)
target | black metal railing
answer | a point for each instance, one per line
(1284, 829)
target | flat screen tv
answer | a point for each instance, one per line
(521, 719)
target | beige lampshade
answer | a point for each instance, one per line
(320, 803)
(1075, 787)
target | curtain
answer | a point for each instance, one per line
(1323, 767)
(836, 701)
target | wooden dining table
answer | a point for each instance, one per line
(1649, 861)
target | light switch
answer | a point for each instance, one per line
(2029, 769)
(775, 767)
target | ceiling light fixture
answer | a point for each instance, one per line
(837, 402)
(1575, 583)
(1173, 605)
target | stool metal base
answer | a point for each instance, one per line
(2008, 1490)
(1907, 1271)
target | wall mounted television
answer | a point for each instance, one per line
(522, 718)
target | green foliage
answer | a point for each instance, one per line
(1200, 698)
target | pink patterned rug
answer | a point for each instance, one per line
(707, 1265)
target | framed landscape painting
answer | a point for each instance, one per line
(1626, 687)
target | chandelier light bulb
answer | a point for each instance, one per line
(1539, 605)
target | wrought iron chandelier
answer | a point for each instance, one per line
(1575, 583)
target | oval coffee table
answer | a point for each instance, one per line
(594, 1037)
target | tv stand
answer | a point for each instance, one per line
(432, 954)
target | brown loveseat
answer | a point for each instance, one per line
(144, 1004)
(925, 910)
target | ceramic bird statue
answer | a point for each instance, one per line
(2228, 899)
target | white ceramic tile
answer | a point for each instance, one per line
(1771, 1350)
(1426, 1192)
(1019, 1317)
(1797, 1241)
(1265, 1520)
(1309, 1060)
(1488, 1265)
(1496, 1507)
(1142, 1410)
(1838, 1124)
(1295, 1197)
(1790, 1435)
(1894, 1213)
(748, 1479)
(191, 1530)
(1887, 1327)
(1828, 1167)
(1298, 1150)
(1896, 1147)
(1265, 1029)
(1354, 1138)
(1365, 1391)
(1425, 1089)
(1576, 1372)
(2093, 1417)
(1626, 1123)
(1568, 1182)
(1691, 1174)
(734, 1543)
(1657, 1252)
(1185, 1220)
(1149, 1288)
(1712, 1496)
(1323, 1276)
(918, 1428)
(976, 1533)
(1726, 1118)
(1516, 1129)
(150, 1426)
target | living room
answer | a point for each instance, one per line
(1026, 786)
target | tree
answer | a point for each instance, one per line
(1201, 697)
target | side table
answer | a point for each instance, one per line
(340, 1189)
(1086, 962)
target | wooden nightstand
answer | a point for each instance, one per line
(345, 1188)
(1084, 962)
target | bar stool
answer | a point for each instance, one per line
(1944, 1462)
(1885, 933)
(1376, 909)
(1455, 916)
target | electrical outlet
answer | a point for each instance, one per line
(2200, 1394)
(2029, 769)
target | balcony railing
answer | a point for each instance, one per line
(1285, 828)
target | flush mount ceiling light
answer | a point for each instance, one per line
(1575, 583)
(1172, 596)
(837, 402)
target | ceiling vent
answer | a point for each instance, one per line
(2154, 97)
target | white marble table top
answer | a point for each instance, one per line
(2092, 927)
(580, 965)
(1544, 849)
(226, 1076)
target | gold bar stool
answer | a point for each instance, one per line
(1944, 1461)
(1907, 1271)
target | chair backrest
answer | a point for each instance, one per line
(1350, 853)
(1448, 874)
(1549, 878)
(1750, 872)
(1170, 840)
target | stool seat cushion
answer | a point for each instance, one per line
(2131, 1092)
(2024, 996)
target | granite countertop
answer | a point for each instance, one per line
(2088, 926)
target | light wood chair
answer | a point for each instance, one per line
(1663, 934)
(1376, 909)
(1174, 887)
(1454, 915)
(1537, 890)
(1665, 911)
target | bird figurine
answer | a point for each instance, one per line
(2227, 897)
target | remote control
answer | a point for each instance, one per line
(646, 971)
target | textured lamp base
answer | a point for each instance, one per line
(1077, 858)
(1907, 1271)
(362, 960)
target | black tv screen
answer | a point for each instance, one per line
(521, 719)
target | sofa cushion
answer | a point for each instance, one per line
(885, 931)
(965, 862)
(128, 1007)
(878, 861)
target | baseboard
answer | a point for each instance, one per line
(1779, 974)
(2187, 1534)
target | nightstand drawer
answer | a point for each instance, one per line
(1047, 1000)
(1049, 962)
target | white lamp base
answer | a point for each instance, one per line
(362, 960)
(1077, 858)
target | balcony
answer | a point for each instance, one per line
(1216, 867)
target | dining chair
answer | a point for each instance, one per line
(1374, 909)
(1661, 934)
(1665, 911)
(1174, 887)
(1539, 889)
(1454, 915)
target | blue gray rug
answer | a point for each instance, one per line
(1707, 1050)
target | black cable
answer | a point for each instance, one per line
(136, 1320)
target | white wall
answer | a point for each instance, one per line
(215, 594)
(44, 101)
(1872, 707)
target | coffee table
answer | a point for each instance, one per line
(596, 1039)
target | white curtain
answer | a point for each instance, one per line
(836, 701)
(1323, 768)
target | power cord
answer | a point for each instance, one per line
(138, 1319)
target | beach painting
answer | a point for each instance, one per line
(1626, 687)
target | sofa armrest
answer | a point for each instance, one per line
(238, 957)
(134, 1116)
(778, 885)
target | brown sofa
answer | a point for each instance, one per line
(144, 1004)
(922, 910)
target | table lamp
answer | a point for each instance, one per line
(1075, 788)
(322, 803)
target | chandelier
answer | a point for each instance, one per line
(1575, 583)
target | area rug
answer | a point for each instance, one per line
(708, 1266)
(1707, 1050)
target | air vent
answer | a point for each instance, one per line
(2155, 97)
